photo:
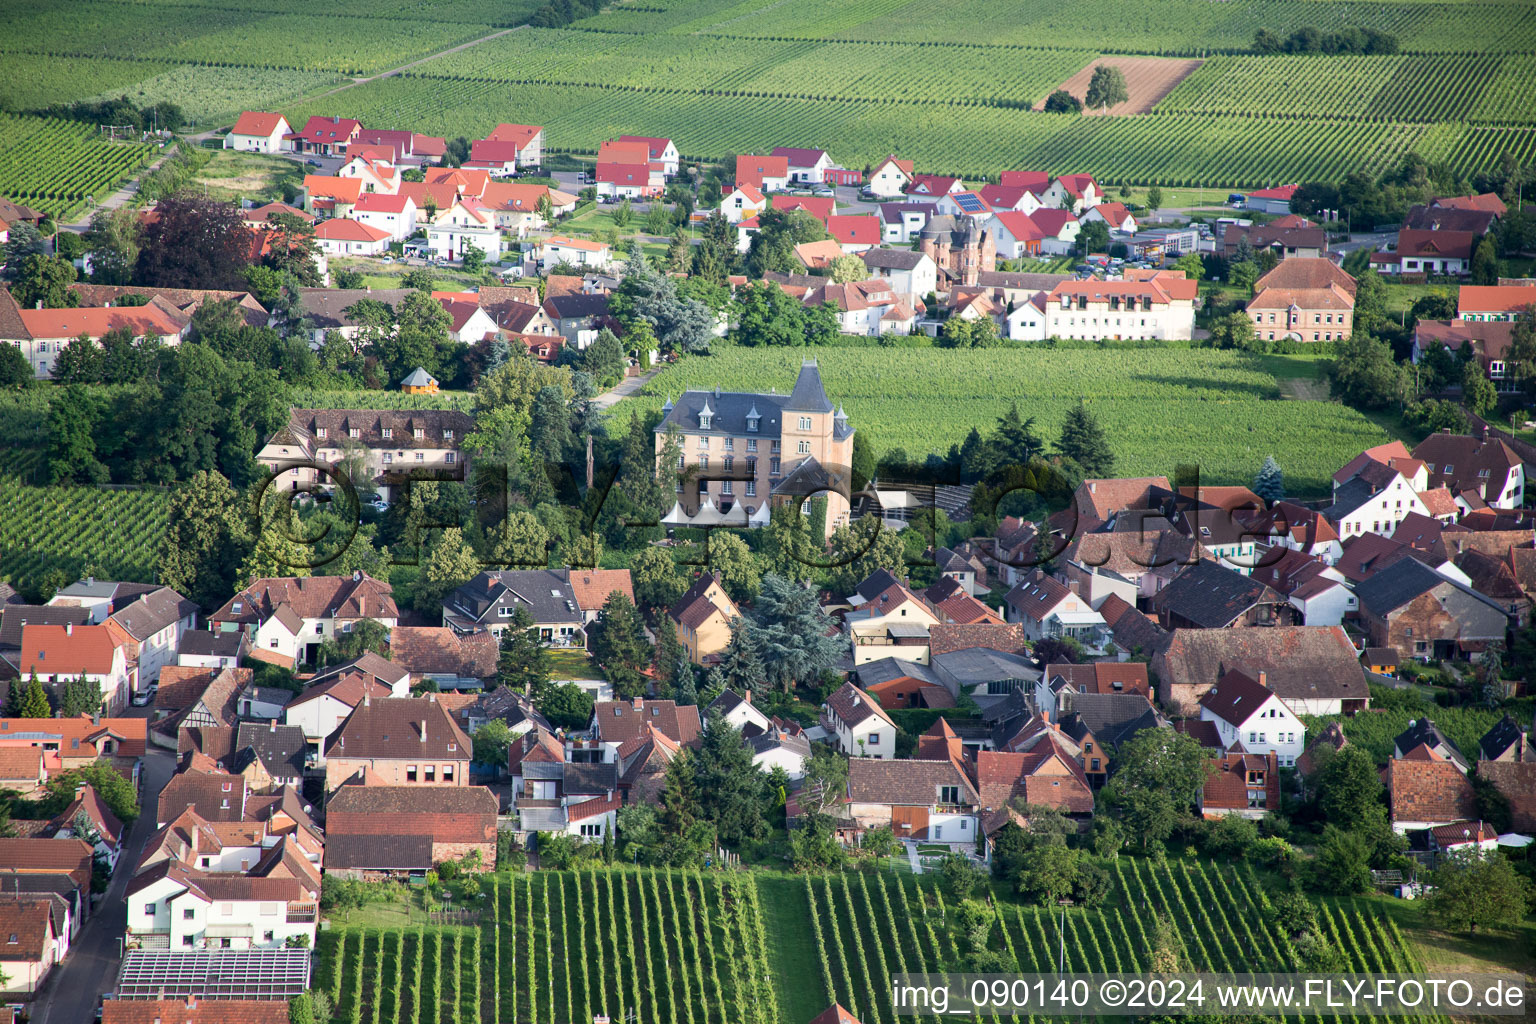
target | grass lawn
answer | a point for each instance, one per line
(791, 947)
(572, 664)
(1444, 952)
(231, 174)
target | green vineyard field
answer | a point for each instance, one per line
(114, 531)
(53, 165)
(1160, 407)
(760, 948)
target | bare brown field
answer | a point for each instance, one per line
(1147, 79)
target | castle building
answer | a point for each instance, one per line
(960, 247)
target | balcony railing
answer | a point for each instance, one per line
(303, 915)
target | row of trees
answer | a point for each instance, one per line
(1307, 39)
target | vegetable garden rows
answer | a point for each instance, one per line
(1159, 407)
(667, 946)
(691, 948)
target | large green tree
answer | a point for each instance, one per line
(1159, 774)
(1106, 88)
(731, 789)
(1083, 440)
(657, 581)
(1365, 374)
(617, 644)
(1477, 890)
(522, 662)
(858, 549)
(206, 539)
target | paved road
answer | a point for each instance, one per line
(91, 968)
(625, 388)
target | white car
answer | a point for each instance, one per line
(142, 700)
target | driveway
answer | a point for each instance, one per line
(76, 985)
(628, 386)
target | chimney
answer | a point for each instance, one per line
(1072, 585)
(69, 629)
(423, 730)
(638, 703)
(1264, 679)
(272, 725)
(747, 697)
(432, 698)
(367, 699)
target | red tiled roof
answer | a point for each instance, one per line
(1227, 789)
(71, 650)
(1429, 790)
(344, 190)
(344, 229)
(522, 134)
(152, 319)
(195, 1011)
(751, 170)
(382, 202)
(70, 857)
(254, 122)
(591, 587)
(1280, 192)
(78, 736)
(27, 924)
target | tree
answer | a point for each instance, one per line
(773, 247)
(880, 843)
(1161, 772)
(657, 582)
(81, 696)
(858, 549)
(1343, 861)
(491, 742)
(616, 643)
(1155, 199)
(365, 635)
(113, 244)
(522, 662)
(46, 280)
(730, 787)
(15, 372)
(732, 561)
(550, 426)
(826, 780)
(1477, 392)
(959, 332)
(567, 706)
(1094, 237)
(1083, 440)
(846, 268)
(472, 257)
(788, 547)
(604, 359)
(24, 240)
(669, 650)
(120, 796)
(1485, 261)
(1269, 484)
(519, 539)
(1063, 102)
(451, 563)
(765, 315)
(194, 242)
(206, 539)
(959, 876)
(74, 418)
(1106, 88)
(34, 703)
(1364, 374)
(292, 250)
(792, 633)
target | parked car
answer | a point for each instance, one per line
(313, 163)
(388, 259)
(141, 700)
(823, 190)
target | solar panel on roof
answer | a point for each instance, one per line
(969, 202)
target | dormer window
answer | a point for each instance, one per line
(752, 424)
(388, 432)
(235, 607)
(447, 434)
(320, 433)
(704, 419)
(419, 433)
(354, 433)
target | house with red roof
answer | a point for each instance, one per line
(662, 151)
(470, 324)
(468, 222)
(61, 654)
(343, 236)
(854, 233)
(1010, 197)
(376, 175)
(1114, 215)
(529, 139)
(1243, 784)
(499, 158)
(468, 182)
(1499, 303)
(642, 180)
(765, 173)
(890, 178)
(517, 205)
(577, 252)
(1246, 711)
(325, 136)
(1425, 790)
(258, 132)
(1016, 234)
(1487, 202)
(1058, 228)
(1270, 200)
(391, 145)
(327, 196)
(33, 946)
(42, 334)
(395, 215)
(1160, 308)
(1046, 190)
(934, 185)
(743, 202)
(1082, 192)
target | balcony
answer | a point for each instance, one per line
(306, 914)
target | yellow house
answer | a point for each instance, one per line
(420, 382)
(887, 620)
(703, 616)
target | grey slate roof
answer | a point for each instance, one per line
(324, 306)
(1113, 718)
(281, 749)
(886, 669)
(1504, 734)
(585, 779)
(974, 665)
(1425, 731)
(794, 742)
(418, 378)
(1348, 497)
(1406, 579)
(892, 259)
(546, 593)
(808, 395)
(14, 616)
(209, 644)
(1210, 595)
(382, 853)
(152, 612)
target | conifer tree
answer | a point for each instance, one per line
(1083, 440)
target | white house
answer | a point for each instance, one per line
(311, 610)
(1245, 710)
(62, 654)
(322, 707)
(921, 799)
(394, 214)
(901, 223)
(1058, 230)
(908, 273)
(578, 252)
(202, 648)
(891, 178)
(780, 748)
(740, 713)
(1113, 215)
(662, 151)
(1376, 500)
(342, 236)
(858, 723)
(742, 202)
(529, 139)
(258, 132)
(467, 222)
(1046, 607)
(374, 175)
(1159, 309)
(1016, 234)
(806, 166)
(154, 619)
(1315, 588)
(170, 907)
